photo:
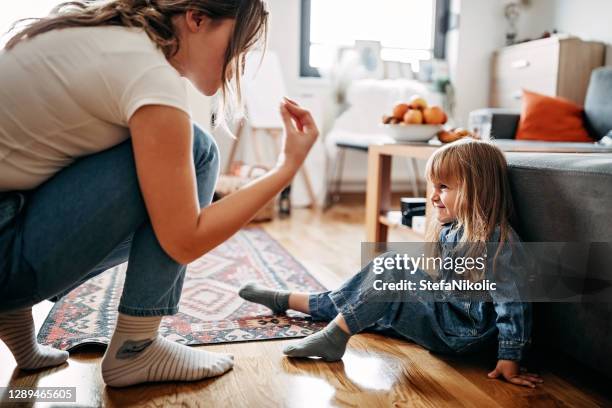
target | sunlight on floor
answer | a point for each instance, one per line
(369, 372)
(77, 374)
(308, 391)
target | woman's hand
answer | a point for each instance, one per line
(300, 134)
(511, 372)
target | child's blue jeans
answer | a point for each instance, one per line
(427, 321)
(88, 218)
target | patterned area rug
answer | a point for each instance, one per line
(210, 309)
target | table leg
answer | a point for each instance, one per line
(234, 147)
(378, 195)
(429, 209)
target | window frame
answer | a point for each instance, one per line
(441, 19)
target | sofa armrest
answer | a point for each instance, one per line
(494, 123)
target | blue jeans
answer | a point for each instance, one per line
(88, 218)
(439, 326)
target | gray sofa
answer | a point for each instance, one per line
(567, 197)
(561, 197)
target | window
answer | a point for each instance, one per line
(17, 10)
(408, 30)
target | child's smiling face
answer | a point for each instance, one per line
(444, 199)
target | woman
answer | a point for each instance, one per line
(101, 164)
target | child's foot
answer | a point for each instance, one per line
(329, 344)
(137, 354)
(277, 300)
(17, 331)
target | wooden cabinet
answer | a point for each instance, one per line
(557, 66)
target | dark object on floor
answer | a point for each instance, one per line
(412, 207)
(284, 202)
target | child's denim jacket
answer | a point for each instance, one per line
(502, 313)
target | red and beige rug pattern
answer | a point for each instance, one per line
(210, 310)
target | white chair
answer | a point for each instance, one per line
(358, 127)
(263, 88)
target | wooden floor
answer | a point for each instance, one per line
(376, 371)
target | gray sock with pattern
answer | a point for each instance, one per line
(18, 332)
(277, 300)
(329, 344)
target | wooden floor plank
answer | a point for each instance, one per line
(375, 372)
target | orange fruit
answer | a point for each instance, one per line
(418, 102)
(400, 110)
(434, 115)
(413, 117)
(446, 136)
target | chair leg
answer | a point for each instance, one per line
(257, 145)
(234, 147)
(339, 171)
(330, 171)
(309, 189)
(415, 177)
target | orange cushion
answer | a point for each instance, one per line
(551, 119)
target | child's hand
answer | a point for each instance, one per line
(512, 372)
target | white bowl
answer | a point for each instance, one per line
(412, 133)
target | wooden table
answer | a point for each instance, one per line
(378, 194)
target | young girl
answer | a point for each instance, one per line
(472, 203)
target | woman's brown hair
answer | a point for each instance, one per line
(155, 18)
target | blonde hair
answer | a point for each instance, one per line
(155, 18)
(479, 171)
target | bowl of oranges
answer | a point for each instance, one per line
(414, 121)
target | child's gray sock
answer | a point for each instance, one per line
(277, 300)
(329, 344)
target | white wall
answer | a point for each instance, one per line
(536, 18)
(481, 31)
(284, 39)
(16, 10)
(587, 19)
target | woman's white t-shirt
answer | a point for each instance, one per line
(69, 93)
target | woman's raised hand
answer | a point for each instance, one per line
(300, 134)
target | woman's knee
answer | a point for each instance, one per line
(205, 150)
(206, 160)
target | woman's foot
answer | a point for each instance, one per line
(17, 331)
(329, 344)
(137, 354)
(277, 300)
